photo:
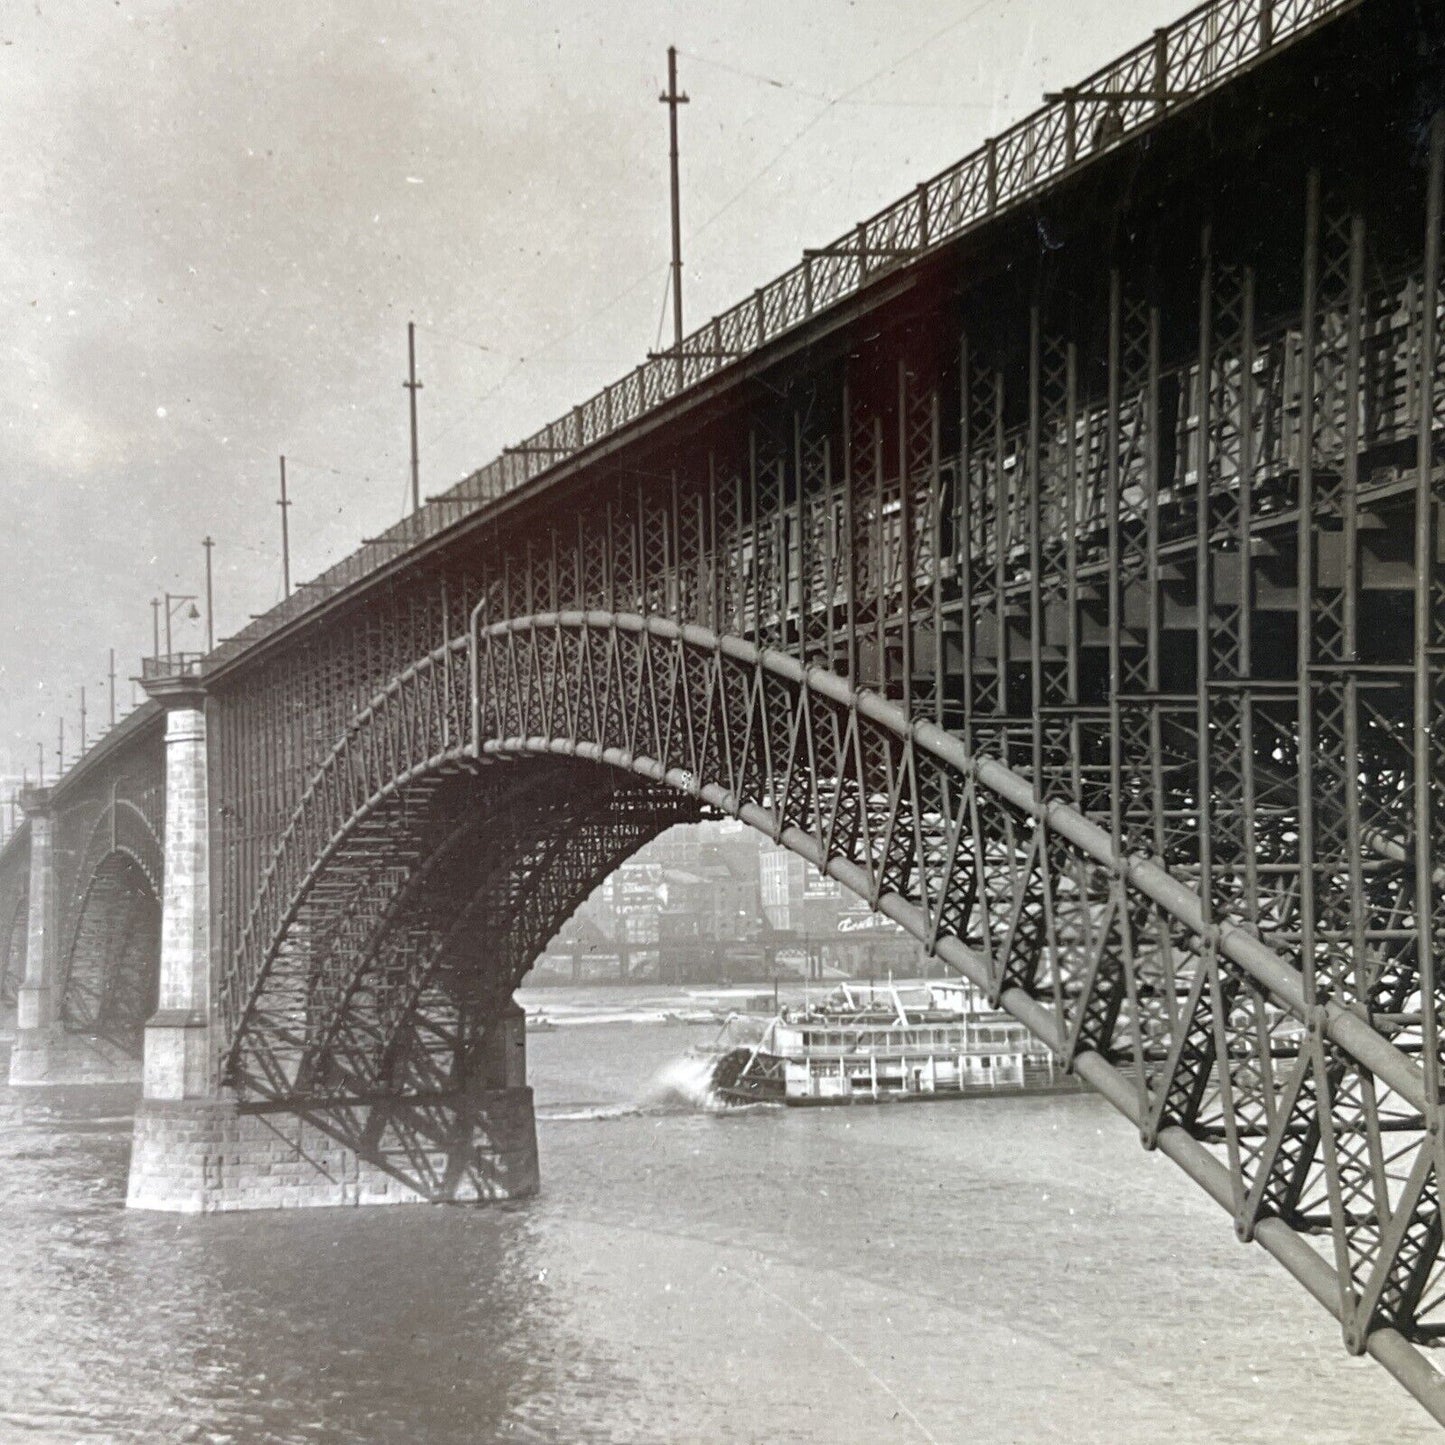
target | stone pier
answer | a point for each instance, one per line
(471, 1145)
(39, 1037)
(199, 1149)
(44, 1050)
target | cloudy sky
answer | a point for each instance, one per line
(216, 220)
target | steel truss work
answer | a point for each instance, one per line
(1078, 640)
(1210, 46)
(406, 943)
(14, 916)
(1076, 597)
(108, 859)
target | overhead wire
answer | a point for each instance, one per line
(467, 411)
(830, 105)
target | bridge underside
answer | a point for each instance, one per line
(107, 988)
(384, 1059)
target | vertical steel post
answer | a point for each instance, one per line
(1245, 597)
(880, 576)
(830, 556)
(1031, 481)
(755, 528)
(1349, 502)
(714, 547)
(1115, 591)
(1305, 575)
(1154, 467)
(1203, 586)
(1426, 546)
(963, 532)
(800, 523)
(639, 548)
(1071, 588)
(935, 509)
(905, 539)
(609, 567)
(1003, 538)
(850, 541)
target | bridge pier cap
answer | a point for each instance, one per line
(179, 1058)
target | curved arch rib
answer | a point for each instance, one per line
(405, 731)
(1029, 899)
(13, 940)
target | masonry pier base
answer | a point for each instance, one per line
(53, 1054)
(201, 1156)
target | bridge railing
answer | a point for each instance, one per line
(1178, 64)
(172, 664)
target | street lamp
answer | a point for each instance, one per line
(173, 601)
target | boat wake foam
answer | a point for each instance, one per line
(687, 1082)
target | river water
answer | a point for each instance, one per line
(987, 1271)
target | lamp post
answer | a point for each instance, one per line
(174, 600)
(155, 626)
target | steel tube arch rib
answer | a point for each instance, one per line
(901, 813)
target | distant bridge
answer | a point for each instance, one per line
(1055, 560)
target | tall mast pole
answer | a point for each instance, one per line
(110, 679)
(413, 386)
(207, 543)
(672, 99)
(83, 738)
(155, 626)
(284, 504)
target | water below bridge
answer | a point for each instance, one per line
(1010, 1270)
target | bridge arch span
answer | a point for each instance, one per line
(426, 909)
(111, 969)
(1105, 956)
(14, 925)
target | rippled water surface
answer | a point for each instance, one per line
(1011, 1270)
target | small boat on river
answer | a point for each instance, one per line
(871, 1043)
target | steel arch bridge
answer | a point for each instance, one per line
(1057, 561)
